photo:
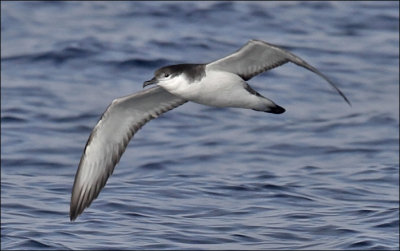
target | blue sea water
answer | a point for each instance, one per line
(323, 175)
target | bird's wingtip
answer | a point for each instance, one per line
(72, 216)
(348, 102)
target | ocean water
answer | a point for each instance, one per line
(323, 175)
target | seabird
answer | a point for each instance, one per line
(221, 83)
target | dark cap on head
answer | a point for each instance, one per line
(193, 72)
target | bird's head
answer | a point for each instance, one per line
(167, 76)
(178, 76)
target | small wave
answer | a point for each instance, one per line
(56, 57)
(144, 63)
(361, 244)
(75, 118)
(153, 166)
(242, 237)
(12, 119)
(163, 44)
(292, 198)
(392, 224)
(274, 187)
(63, 52)
(287, 236)
(34, 244)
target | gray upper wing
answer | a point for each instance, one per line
(108, 140)
(257, 56)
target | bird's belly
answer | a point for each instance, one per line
(220, 89)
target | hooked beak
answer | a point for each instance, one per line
(150, 82)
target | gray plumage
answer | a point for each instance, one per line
(257, 56)
(108, 140)
(220, 83)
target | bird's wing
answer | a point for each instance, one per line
(109, 138)
(257, 56)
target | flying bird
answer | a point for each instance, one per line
(221, 83)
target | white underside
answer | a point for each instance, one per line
(217, 88)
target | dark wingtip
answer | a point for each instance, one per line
(345, 98)
(304, 64)
(277, 110)
(75, 208)
(339, 91)
(72, 215)
(348, 102)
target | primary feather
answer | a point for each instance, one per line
(108, 140)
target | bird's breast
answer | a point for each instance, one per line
(216, 88)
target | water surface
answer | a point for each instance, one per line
(323, 175)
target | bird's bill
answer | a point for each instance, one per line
(150, 82)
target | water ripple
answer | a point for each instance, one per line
(320, 176)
